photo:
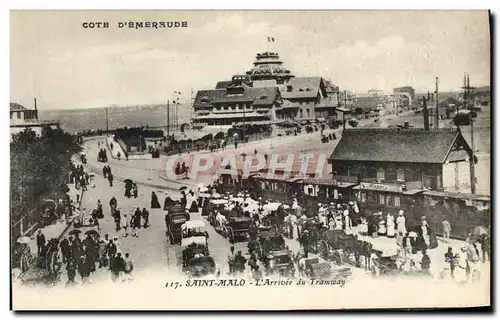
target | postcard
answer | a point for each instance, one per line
(250, 160)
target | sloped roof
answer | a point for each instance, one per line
(260, 96)
(222, 84)
(394, 145)
(205, 97)
(300, 86)
(449, 101)
(16, 107)
(264, 83)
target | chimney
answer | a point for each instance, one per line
(426, 115)
(36, 109)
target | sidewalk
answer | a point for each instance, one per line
(56, 230)
(143, 176)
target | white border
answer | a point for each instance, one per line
(187, 4)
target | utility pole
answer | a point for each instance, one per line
(472, 163)
(168, 120)
(437, 103)
(107, 122)
(345, 107)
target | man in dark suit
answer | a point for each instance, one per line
(40, 241)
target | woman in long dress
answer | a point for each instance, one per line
(391, 232)
(154, 201)
(425, 231)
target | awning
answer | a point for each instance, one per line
(379, 187)
(413, 191)
(293, 180)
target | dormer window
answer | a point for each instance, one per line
(288, 88)
(263, 97)
(307, 89)
(204, 99)
(301, 89)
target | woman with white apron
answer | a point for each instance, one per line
(347, 221)
(338, 222)
(391, 232)
(425, 231)
(382, 230)
(401, 223)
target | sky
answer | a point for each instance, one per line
(67, 66)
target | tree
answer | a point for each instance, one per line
(39, 169)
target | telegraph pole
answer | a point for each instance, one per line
(473, 162)
(437, 103)
(107, 122)
(168, 119)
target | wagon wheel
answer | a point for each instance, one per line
(324, 249)
(338, 257)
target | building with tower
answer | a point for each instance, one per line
(267, 93)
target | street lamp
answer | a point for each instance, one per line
(176, 97)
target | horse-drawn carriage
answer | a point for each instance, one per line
(268, 241)
(174, 219)
(237, 226)
(388, 264)
(193, 228)
(280, 263)
(320, 269)
(337, 246)
(196, 259)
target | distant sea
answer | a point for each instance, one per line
(77, 120)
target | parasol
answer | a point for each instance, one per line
(23, 240)
(285, 206)
(205, 195)
(219, 201)
(216, 196)
(75, 232)
(126, 181)
(92, 232)
(203, 189)
(183, 188)
(273, 206)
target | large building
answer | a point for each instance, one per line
(22, 118)
(390, 163)
(409, 90)
(267, 93)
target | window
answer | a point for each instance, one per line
(11, 115)
(400, 173)
(381, 199)
(397, 201)
(380, 174)
(308, 113)
(18, 113)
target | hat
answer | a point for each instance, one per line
(351, 203)
(331, 203)
(401, 212)
(423, 218)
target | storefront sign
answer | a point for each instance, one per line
(381, 187)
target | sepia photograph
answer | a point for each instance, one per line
(250, 160)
